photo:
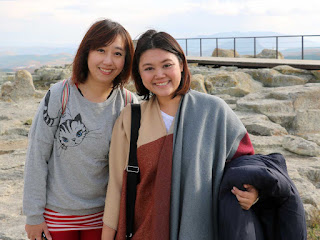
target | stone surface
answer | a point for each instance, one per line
(233, 83)
(7, 76)
(279, 119)
(269, 53)
(301, 146)
(22, 87)
(6, 90)
(286, 80)
(274, 78)
(316, 73)
(263, 75)
(288, 70)
(197, 83)
(15, 121)
(47, 75)
(130, 86)
(259, 124)
(295, 108)
(224, 53)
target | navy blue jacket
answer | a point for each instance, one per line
(278, 215)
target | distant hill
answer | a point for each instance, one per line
(309, 53)
(32, 57)
(30, 62)
(37, 50)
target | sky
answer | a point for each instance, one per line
(64, 22)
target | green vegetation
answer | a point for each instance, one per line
(314, 227)
(28, 122)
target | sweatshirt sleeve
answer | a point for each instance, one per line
(118, 158)
(40, 144)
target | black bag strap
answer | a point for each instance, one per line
(133, 176)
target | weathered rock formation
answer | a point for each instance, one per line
(270, 53)
(197, 83)
(47, 75)
(280, 108)
(281, 115)
(21, 88)
(265, 53)
(219, 52)
(236, 84)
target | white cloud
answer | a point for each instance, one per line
(72, 18)
(60, 21)
(259, 7)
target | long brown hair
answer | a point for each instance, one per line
(102, 33)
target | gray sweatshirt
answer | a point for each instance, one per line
(66, 166)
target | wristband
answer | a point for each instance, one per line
(255, 201)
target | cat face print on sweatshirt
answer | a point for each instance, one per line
(71, 131)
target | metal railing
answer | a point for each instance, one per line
(301, 44)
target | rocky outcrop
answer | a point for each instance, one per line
(219, 52)
(301, 146)
(6, 76)
(316, 73)
(233, 83)
(22, 87)
(265, 75)
(15, 122)
(197, 83)
(281, 115)
(280, 76)
(50, 73)
(261, 125)
(47, 75)
(280, 108)
(305, 74)
(270, 53)
(265, 53)
(296, 108)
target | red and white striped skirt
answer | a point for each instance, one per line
(62, 222)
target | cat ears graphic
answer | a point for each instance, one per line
(78, 118)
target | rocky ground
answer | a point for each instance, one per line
(280, 107)
(14, 126)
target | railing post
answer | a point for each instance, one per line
(254, 47)
(302, 53)
(217, 47)
(278, 53)
(186, 47)
(277, 48)
(234, 47)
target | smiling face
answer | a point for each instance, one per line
(106, 62)
(160, 72)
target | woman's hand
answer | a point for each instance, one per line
(34, 232)
(107, 233)
(246, 198)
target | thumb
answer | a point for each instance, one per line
(247, 186)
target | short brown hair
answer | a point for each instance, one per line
(152, 39)
(102, 33)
